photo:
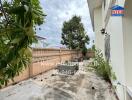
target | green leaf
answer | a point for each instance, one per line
(17, 35)
(16, 41)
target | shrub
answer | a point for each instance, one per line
(102, 67)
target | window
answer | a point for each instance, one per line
(107, 47)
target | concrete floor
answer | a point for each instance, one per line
(51, 85)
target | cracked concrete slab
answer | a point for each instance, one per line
(54, 86)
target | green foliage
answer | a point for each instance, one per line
(74, 35)
(93, 48)
(102, 67)
(17, 35)
(84, 50)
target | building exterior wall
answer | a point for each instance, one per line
(127, 38)
(127, 34)
(116, 43)
(116, 52)
(120, 31)
(99, 38)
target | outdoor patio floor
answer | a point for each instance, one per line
(51, 85)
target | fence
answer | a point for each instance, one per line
(44, 60)
(47, 59)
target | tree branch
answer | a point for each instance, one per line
(2, 10)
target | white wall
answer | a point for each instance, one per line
(127, 34)
(99, 38)
(127, 31)
(114, 28)
(120, 30)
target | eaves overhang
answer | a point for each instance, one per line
(92, 4)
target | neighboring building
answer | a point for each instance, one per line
(116, 43)
(41, 42)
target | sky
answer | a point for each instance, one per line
(57, 12)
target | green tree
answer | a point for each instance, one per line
(17, 21)
(74, 35)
